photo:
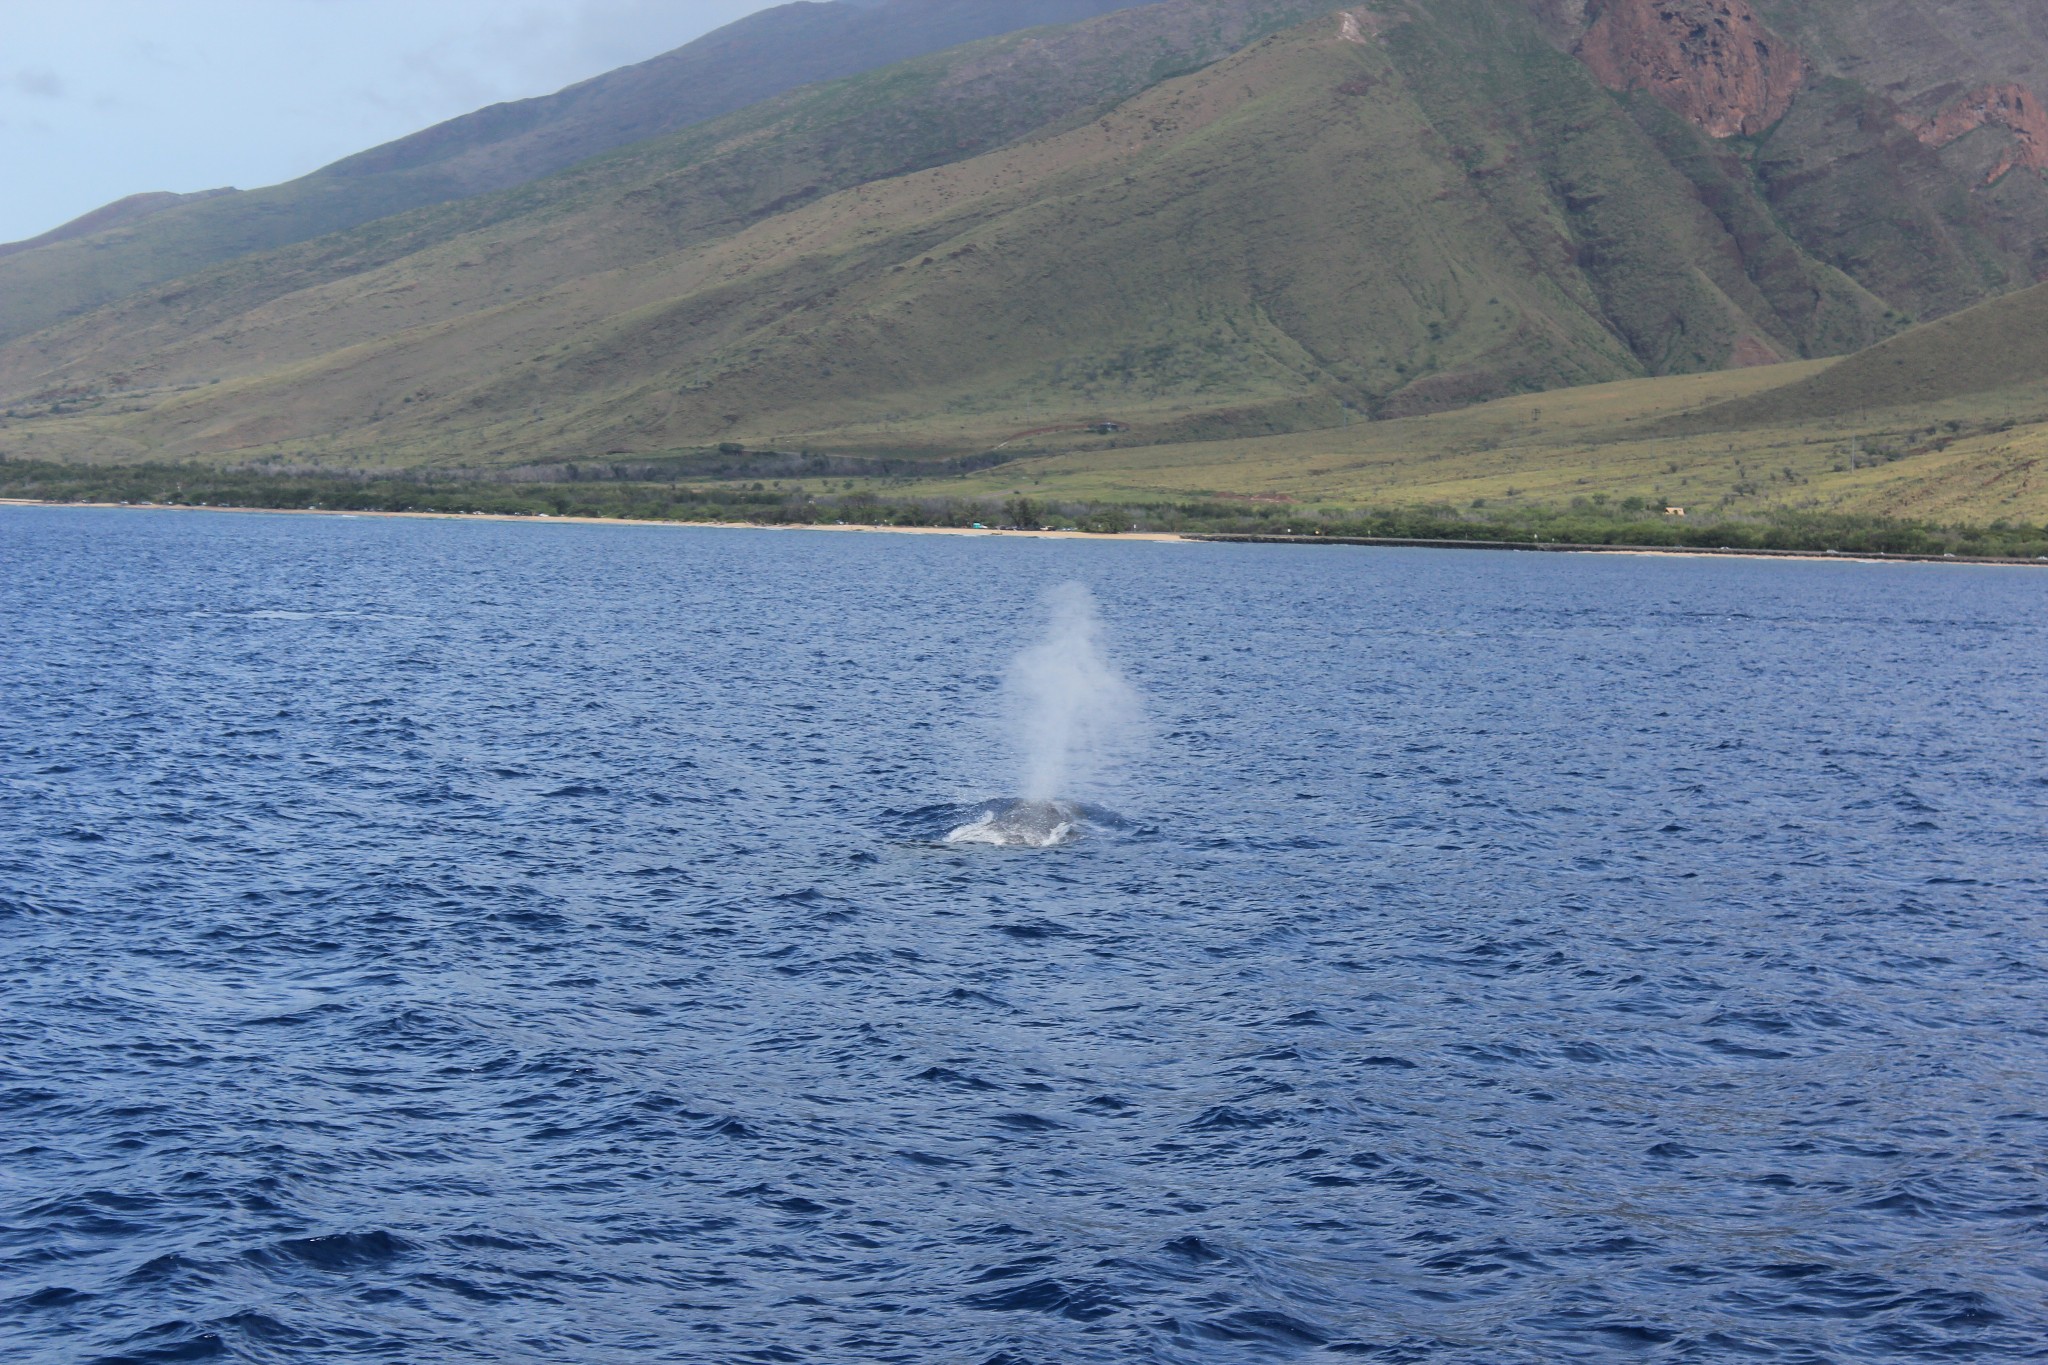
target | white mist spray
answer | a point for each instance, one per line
(1070, 714)
(1070, 706)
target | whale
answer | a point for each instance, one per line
(1022, 824)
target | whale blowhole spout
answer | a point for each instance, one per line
(1071, 712)
(1069, 716)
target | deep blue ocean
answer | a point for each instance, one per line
(457, 941)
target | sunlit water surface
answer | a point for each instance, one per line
(469, 942)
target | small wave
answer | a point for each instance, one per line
(575, 789)
(281, 614)
(337, 1252)
(1082, 1301)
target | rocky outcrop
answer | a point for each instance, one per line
(2012, 107)
(1713, 61)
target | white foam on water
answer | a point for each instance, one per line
(1022, 824)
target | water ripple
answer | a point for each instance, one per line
(498, 943)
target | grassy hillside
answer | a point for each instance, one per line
(1903, 447)
(1981, 459)
(509, 144)
(1994, 347)
(543, 243)
(1948, 421)
(120, 213)
(1347, 218)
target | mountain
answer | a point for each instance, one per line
(1239, 246)
(112, 252)
(570, 241)
(120, 213)
(1885, 135)
(1190, 220)
(1914, 154)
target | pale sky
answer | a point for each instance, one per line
(105, 98)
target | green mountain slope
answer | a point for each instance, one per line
(1948, 421)
(1996, 346)
(456, 261)
(120, 213)
(1176, 220)
(762, 55)
(1363, 214)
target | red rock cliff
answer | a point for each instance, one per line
(2012, 107)
(1713, 61)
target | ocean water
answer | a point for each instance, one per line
(431, 941)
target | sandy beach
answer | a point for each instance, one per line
(1154, 537)
(606, 521)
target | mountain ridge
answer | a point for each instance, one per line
(131, 209)
(50, 278)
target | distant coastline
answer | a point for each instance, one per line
(1689, 552)
(1153, 537)
(569, 519)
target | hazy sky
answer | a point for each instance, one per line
(105, 98)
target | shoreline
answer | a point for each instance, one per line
(540, 517)
(1149, 537)
(1666, 551)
